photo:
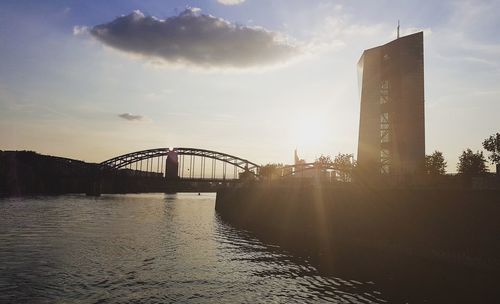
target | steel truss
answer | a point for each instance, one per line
(125, 160)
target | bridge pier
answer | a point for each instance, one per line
(172, 166)
(172, 172)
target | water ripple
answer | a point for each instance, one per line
(151, 248)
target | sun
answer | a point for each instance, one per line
(309, 133)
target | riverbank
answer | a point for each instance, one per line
(404, 235)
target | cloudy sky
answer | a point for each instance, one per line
(255, 78)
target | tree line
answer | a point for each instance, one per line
(469, 163)
(344, 162)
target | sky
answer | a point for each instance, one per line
(254, 78)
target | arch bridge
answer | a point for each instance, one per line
(181, 164)
(192, 170)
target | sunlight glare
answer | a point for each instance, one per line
(309, 133)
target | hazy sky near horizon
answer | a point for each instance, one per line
(256, 78)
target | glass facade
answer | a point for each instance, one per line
(391, 83)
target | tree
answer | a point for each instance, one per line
(470, 163)
(345, 163)
(492, 145)
(435, 164)
(324, 160)
(271, 170)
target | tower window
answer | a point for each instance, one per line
(384, 91)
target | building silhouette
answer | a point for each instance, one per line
(391, 130)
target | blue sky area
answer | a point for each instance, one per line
(251, 78)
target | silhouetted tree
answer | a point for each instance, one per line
(342, 161)
(271, 170)
(435, 164)
(492, 145)
(470, 163)
(345, 163)
(324, 160)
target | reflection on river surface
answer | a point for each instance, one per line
(149, 248)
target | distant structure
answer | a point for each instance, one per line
(297, 160)
(391, 129)
(302, 171)
(398, 31)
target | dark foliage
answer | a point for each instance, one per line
(492, 145)
(472, 164)
(435, 163)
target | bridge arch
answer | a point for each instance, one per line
(126, 160)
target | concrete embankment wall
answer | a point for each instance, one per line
(372, 229)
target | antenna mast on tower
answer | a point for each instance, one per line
(398, 29)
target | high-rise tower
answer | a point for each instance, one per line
(391, 129)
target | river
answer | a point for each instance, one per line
(150, 248)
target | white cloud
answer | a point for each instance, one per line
(80, 30)
(195, 39)
(230, 2)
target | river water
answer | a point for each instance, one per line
(150, 248)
